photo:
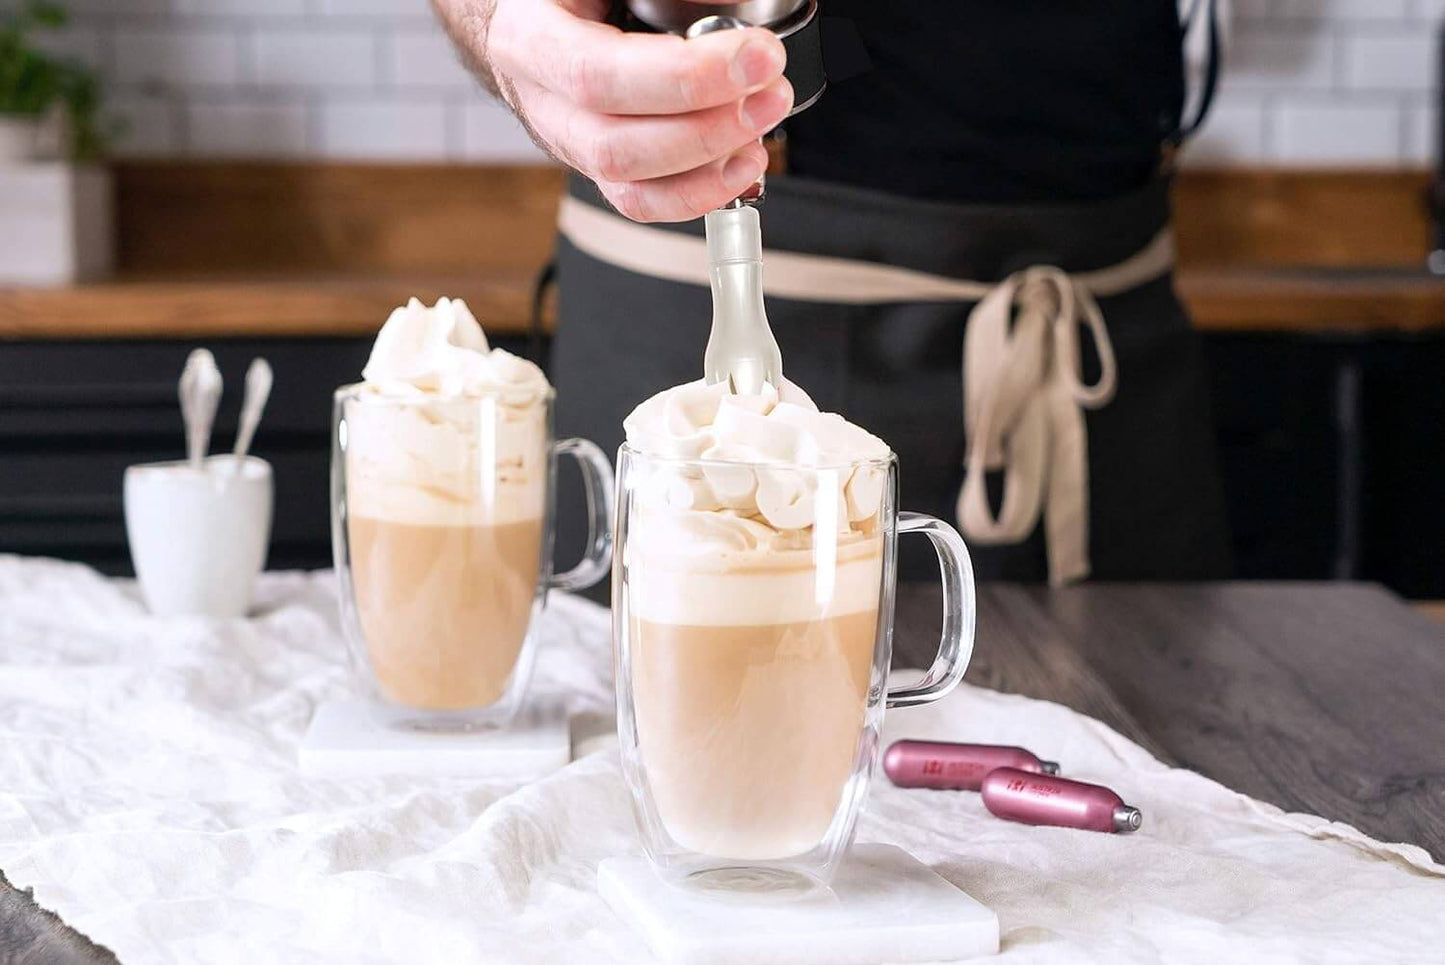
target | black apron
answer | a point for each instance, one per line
(1155, 509)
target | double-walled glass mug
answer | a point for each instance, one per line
(441, 522)
(752, 656)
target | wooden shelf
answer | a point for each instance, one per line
(338, 304)
(231, 305)
(1310, 301)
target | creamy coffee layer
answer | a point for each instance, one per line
(784, 588)
(444, 609)
(750, 733)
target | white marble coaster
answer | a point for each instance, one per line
(346, 740)
(885, 906)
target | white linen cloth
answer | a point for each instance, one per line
(150, 795)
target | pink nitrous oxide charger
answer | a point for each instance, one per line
(955, 767)
(1020, 795)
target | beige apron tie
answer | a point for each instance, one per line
(1024, 390)
(1023, 403)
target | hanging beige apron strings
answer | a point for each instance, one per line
(1024, 389)
(1023, 403)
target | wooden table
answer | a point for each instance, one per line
(1326, 698)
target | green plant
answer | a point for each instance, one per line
(32, 82)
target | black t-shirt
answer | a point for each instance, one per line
(998, 100)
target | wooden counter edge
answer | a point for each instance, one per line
(331, 306)
(341, 305)
(1313, 302)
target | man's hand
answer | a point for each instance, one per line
(667, 127)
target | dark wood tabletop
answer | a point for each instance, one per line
(1325, 698)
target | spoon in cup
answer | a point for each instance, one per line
(200, 393)
(258, 389)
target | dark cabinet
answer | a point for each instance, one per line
(1333, 455)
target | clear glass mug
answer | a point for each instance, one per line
(752, 668)
(442, 515)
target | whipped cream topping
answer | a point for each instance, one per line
(777, 522)
(443, 350)
(445, 429)
(746, 436)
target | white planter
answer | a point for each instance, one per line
(56, 224)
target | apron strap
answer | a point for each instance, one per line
(675, 256)
(1023, 399)
(1212, 58)
(1024, 388)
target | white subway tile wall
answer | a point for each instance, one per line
(179, 57)
(236, 129)
(1306, 82)
(1326, 83)
(1313, 131)
(285, 79)
(1422, 132)
(143, 125)
(393, 129)
(317, 59)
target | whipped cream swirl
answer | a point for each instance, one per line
(776, 468)
(443, 350)
(446, 429)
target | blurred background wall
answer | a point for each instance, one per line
(1308, 82)
(288, 79)
(1311, 82)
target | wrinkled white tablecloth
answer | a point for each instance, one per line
(149, 793)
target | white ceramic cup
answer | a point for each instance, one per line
(198, 538)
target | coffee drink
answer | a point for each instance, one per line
(444, 608)
(749, 721)
(752, 594)
(447, 479)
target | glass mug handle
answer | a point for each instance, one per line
(959, 612)
(597, 479)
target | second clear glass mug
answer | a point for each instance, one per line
(750, 697)
(442, 517)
